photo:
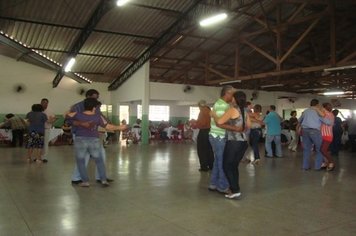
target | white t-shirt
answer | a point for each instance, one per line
(50, 117)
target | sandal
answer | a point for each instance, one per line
(330, 167)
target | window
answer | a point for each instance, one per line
(124, 113)
(193, 113)
(106, 110)
(344, 114)
(156, 113)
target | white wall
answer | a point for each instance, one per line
(38, 84)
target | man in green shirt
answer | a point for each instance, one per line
(217, 140)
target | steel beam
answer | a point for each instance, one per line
(172, 31)
(31, 54)
(103, 7)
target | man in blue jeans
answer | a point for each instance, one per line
(274, 129)
(217, 140)
(87, 142)
(310, 121)
(79, 107)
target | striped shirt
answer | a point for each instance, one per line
(327, 130)
(220, 107)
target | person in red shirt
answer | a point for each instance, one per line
(327, 136)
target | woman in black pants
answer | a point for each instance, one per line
(236, 144)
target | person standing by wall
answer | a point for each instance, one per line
(205, 151)
(48, 126)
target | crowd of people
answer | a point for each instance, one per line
(225, 132)
(233, 123)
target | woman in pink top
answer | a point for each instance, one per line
(327, 135)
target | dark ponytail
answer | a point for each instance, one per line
(240, 98)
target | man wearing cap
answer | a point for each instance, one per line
(205, 152)
(217, 140)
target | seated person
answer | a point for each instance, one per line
(136, 129)
(67, 132)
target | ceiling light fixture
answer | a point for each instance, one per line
(69, 65)
(340, 68)
(230, 82)
(271, 85)
(121, 3)
(331, 93)
(213, 19)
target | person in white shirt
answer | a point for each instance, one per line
(48, 126)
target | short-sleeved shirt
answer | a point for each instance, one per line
(16, 122)
(96, 120)
(79, 108)
(37, 121)
(203, 121)
(311, 120)
(293, 121)
(49, 114)
(220, 107)
(273, 123)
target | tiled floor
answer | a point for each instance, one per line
(158, 190)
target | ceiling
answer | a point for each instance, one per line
(270, 45)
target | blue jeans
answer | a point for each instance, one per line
(86, 147)
(218, 177)
(310, 137)
(255, 135)
(268, 145)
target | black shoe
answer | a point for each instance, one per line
(107, 179)
(76, 181)
(204, 169)
(44, 160)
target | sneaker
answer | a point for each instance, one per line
(105, 183)
(76, 181)
(212, 187)
(84, 184)
(233, 195)
(44, 160)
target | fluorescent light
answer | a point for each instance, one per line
(231, 82)
(213, 19)
(120, 3)
(334, 93)
(271, 85)
(310, 89)
(69, 65)
(340, 68)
